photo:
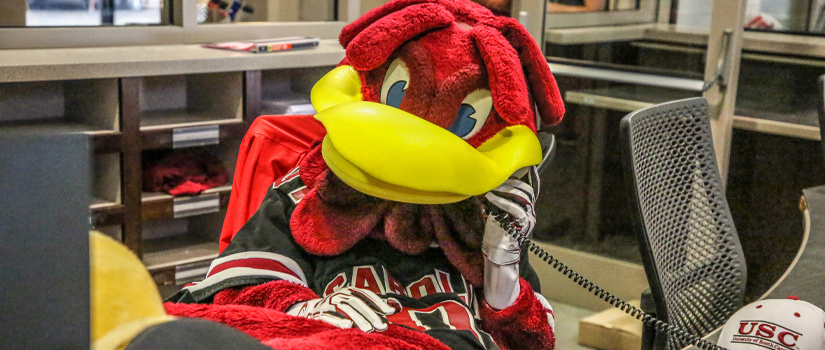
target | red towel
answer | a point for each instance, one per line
(182, 172)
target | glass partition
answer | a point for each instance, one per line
(605, 68)
(792, 16)
(584, 13)
(234, 11)
(80, 13)
(93, 23)
(557, 6)
(783, 15)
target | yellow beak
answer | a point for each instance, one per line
(388, 153)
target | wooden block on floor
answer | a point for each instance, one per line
(612, 329)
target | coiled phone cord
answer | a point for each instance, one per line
(647, 319)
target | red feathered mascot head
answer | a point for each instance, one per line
(436, 102)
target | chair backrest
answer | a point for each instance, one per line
(691, 251)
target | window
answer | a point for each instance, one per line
(52, 13)
(585, 13)
(795, 16)
(234, 11)
(103, 23)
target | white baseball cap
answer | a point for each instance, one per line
(776, 324)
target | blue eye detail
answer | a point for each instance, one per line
(464, 122)
(396, 93)
(395, 84)
(473, 114)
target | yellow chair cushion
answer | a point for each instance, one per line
(125, 299)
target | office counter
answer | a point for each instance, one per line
(26, 65)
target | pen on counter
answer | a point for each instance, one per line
(285, 45)
(267, 45)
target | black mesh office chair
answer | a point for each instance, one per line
(691, 252)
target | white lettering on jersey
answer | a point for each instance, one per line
(367, 277)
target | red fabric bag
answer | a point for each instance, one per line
(273, 146)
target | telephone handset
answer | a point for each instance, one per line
(508, 223)
(611, 299)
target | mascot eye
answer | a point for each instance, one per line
(472, 114)
(395, 83)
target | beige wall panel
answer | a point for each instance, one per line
(622, 279)
(367, 5)
(13, 13)
(317, 10)
(722, 99)
(283, 10)
(261, 10)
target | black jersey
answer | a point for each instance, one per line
(436, 299)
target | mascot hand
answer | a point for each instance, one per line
(347, 307)
(513, 211)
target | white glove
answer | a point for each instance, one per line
(347, 307)
(501, 250)
(517, 199)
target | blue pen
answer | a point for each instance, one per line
(233, 11)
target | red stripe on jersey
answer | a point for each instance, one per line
(289, 176)
(253, 263)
